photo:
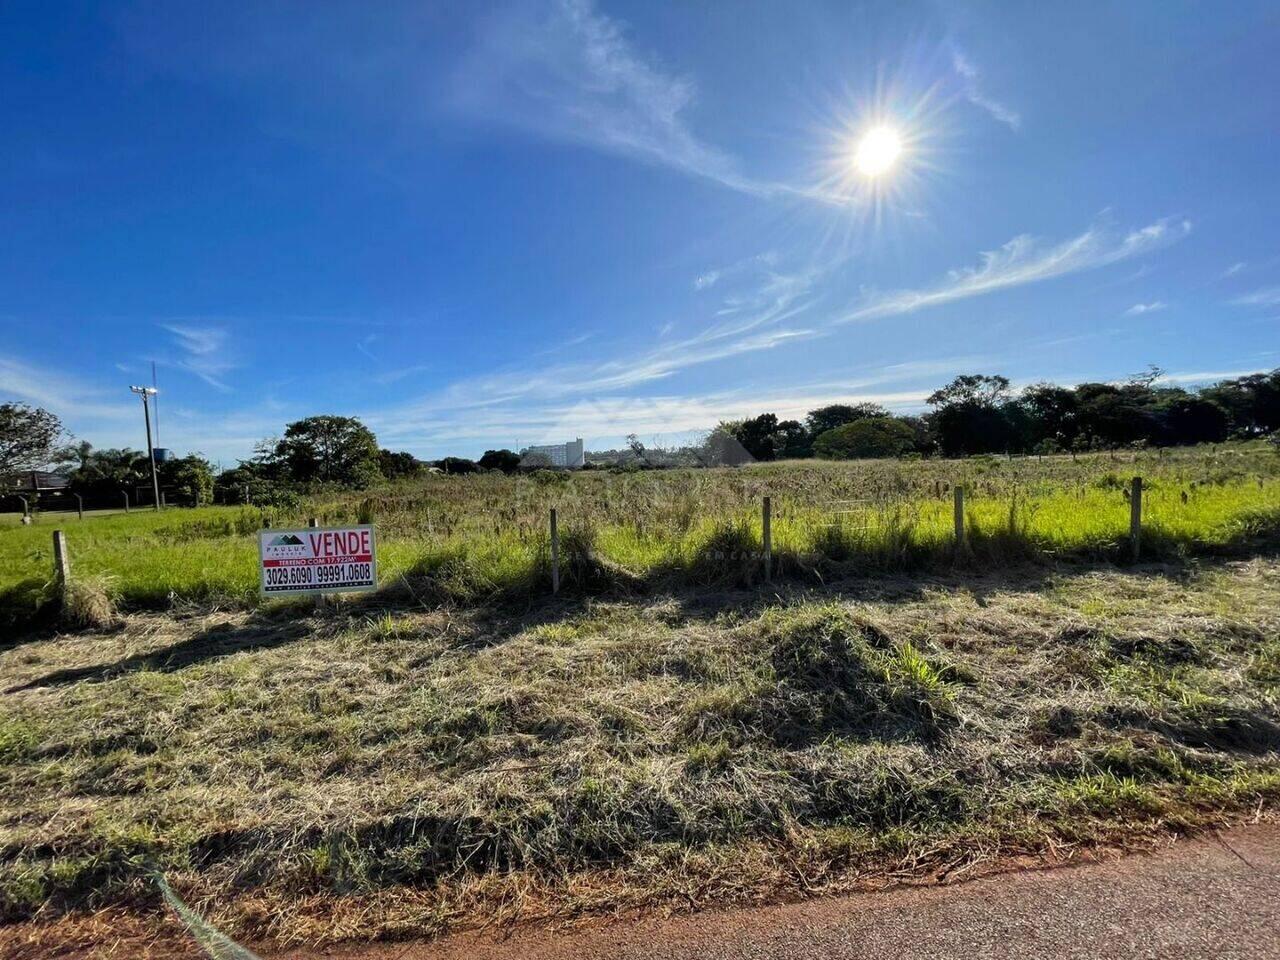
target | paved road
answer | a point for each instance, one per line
(1217, 897)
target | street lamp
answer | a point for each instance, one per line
(144, 393)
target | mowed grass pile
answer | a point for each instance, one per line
(471, 538)
(384, 772)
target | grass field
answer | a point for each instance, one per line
(460, 747)
(472, 538)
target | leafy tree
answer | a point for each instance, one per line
(28, 437)
(838, 414)
(1252, 402)
(102, 474)
(238, 485)
(329, 449)
(792, 441)
(1053, 412)
(974, 388)
(758, 436)
(250, 482)
(505, 460)
(767, 438)
(1115, 416)
(268, 462)
(73, 457)
(1192, 419)
(923, 439)
(191, 477)
(969, 415)
(869, 437)
(395, 466)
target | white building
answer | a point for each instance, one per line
(567, 456)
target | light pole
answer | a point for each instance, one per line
(144, 393)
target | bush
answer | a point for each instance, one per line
(452, 465)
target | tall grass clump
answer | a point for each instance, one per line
(723, 553)
(86, 602)
(835, 674)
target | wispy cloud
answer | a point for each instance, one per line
(606, 419)
(603, 420)
(1206, 376)
(398, 374)
(62, 394)
(1021, 261)
(365, 345)
(1235, 268)
(1140, 308)
(1270, 297)
(763, 319)
(569, 73)
(202, 351)
(970, 77)
(765, 306)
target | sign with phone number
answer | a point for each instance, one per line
(317, 560)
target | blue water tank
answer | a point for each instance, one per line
(163, 454)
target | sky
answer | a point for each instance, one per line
(491, 224)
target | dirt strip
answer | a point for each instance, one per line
(1214, 897)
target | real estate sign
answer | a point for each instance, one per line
(317, 560)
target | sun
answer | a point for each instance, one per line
(877, 151)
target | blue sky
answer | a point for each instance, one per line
(483, 224)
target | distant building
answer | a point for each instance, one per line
(566, 456)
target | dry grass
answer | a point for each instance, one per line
(87, 602)
(393, 770)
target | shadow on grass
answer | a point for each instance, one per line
(1225, 729)
(727, 569)
(214, 643)
(731, 559)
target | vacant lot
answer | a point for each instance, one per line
(478, 538)
(412, 762)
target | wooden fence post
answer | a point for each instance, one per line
(126, 500)
(1135, 517)
(80, 505)
(61, 561)
(555, 553)
(768, 539)
(959, 515)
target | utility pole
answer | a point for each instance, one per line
(155, 389)
(144, 393)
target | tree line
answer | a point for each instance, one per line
(981, 413)
(973, 414)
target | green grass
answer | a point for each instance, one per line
(386, 770)
(472, 538)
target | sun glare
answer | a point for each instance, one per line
(877, 151)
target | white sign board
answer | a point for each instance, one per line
(317, 560)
